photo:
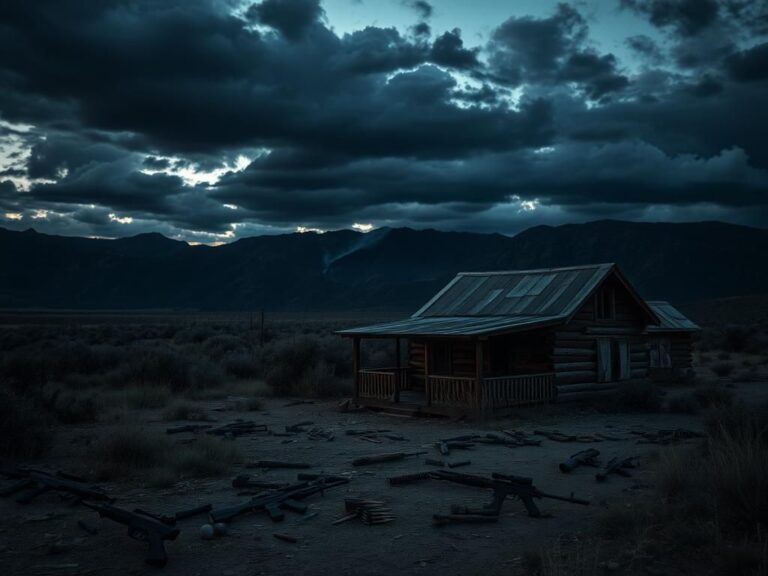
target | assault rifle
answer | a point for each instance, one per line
(39, 482)
(503, 485)
(142, 527)
(273, 501)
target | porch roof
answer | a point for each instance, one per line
(457, 326)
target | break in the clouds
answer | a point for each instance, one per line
(213, 119)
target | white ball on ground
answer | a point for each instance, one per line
(206, 532)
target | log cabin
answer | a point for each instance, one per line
(491, 341)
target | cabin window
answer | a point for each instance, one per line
(605, 304)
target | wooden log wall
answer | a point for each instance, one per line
(416, 363)
(574, 348)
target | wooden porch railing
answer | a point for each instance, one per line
(505, 391)
(495, 393)
(382, 383)
(455, 391)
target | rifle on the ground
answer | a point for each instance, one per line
(584, 458)
(503, 485)
(616, 466)
(378, 458)
(272, 501)
(41, 482)
(142, 527)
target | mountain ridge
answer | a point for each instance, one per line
(388, 268)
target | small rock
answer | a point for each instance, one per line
(207, 532)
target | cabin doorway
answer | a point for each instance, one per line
(613, 359)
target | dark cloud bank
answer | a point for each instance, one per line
(116, 99)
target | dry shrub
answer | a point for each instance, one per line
(24, 428)
(307, 366)
(722, 369)
(146, 397)
(185, 410)
(716, 495)
(131, 449)
(713, 395)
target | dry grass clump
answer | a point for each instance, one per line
(722, 369)
(716, 496)
(130, 450)
(24, 427)
(185, 410)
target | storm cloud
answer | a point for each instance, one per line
(210, 119)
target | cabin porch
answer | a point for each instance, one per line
(457, 376)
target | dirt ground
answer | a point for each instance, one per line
(44, 538)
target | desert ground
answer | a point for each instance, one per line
(116, 438)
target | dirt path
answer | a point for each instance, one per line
(43, 538)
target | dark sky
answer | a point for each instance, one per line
(209, 120)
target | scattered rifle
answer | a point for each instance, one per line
(272, 501)
(238, 428)
(584, 458)
(378, 458)
(141, 527)
(616, 466)
(503, 485)
(41, 482)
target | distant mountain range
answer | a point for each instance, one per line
(389, 269)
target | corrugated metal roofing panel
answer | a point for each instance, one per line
(452, 326)
(672, 320)
(547, 292)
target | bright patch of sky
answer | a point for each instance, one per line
(609, 25)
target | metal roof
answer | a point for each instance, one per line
(544, 292)
(453, 326)
(482, 303)
(671, 319)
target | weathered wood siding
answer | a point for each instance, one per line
(575, 345)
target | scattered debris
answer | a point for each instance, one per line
(369, 511)
(557, 436)
(295, 428)
(617, 466)
(245, 481)
(378, 458)
(459, 463)
(320, 434)
(583, 458)
(194, 428)
(277, 464)
(432, 462)
(238, 428)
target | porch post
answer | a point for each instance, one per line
(356, 368)
(398, 372)
(427, 389)
(479, 376)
